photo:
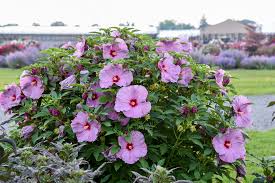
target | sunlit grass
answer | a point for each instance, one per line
(8, 76)
(254, 82)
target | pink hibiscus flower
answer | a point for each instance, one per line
(186, 76)
(11, 97)
(242, 109)
(114, 74)
(85, 130)
(80, 48)
(186, 45)
(169, 71)
(32, 86)
(113, 115)
(132, 151)
(93, 96)
(68, 82)
(132, 101)
(230, 145)
(117, 50)
(115, 33)
(219, 77)
(168, 45)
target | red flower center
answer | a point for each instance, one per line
(164, 68)
(116, 78)
(239, 111)
(113, 53)
(87, 126)
(129, 146)
(94, 96)
(227, 144)
(34, 82)
(133, 102)
(13, 98)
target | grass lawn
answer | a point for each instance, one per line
(8, 76)
(261, 144)
(254, 82)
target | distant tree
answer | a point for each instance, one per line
(35, 24)
(7, 25)
(95, 25)
(76, 25)
(203, 22)
(172, 25)
(58, 23)
(253, 40)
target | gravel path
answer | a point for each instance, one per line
(262, 115)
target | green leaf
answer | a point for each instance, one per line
(271, 104)
(114, 149)
(163, 149)
(144, 163)
(104, 99)
(196, 141)
(118, 164)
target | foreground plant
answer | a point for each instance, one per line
(135, 102)
(59, 163)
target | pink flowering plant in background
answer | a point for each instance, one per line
(134, 102)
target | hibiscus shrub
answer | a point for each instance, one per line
(134, 102)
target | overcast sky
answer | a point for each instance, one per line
(142, 12)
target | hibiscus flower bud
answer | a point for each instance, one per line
(85, 95)
(185, 110)
(194, 109)
(146, 48)
(241, 171)
(35, 71)
(27, 117)
(54, 112)
(226, 80)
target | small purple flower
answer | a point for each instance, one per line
(219, 77)
(114, 74)
(115, 34)
(169, 71)
(186, 76)
(11, 97)
(242, 109)
(32, 87)
(68, 82)
(117, 50)
(230, 146)
(132, 101)
(26, 131)
(54, 112)
(85, 130)
(81, 47)
(241, 171)
(93, 96)
(133, 150)
(226, 80)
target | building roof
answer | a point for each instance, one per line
(62, 30)
(227, 27)
(178, 33)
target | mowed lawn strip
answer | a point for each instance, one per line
(254, 82)
(8, 76)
